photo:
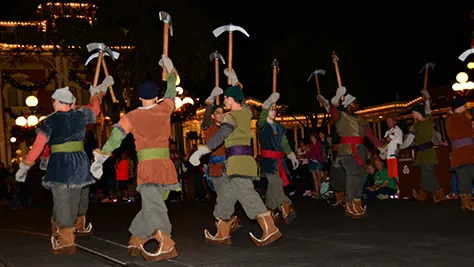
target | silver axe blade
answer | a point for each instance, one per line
(166, 18)
(316, 72)
(100, 46)
(215, 55)
(276, 65)
(229, 28)
(466, 53)
(115, 56)
(427, 65)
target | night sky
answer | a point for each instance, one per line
(381, 48)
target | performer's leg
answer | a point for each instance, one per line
(255, 209)
(276, 198)
(429, 182)
(80, 226)
(465, 176)
(355, 177)
(66, 204)
(338, 182)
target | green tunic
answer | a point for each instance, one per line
(240, 136)
(349, 125)
(423, 131)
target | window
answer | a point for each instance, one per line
(12, 97)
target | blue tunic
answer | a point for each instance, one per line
(271, 137)
(68, 169)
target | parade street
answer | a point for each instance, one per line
(396, 233)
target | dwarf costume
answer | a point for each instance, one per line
(352, 129)
(274, 146)
(241, 168)
(67, 170)
(215, 172)
(336, 172)
(396, 139)
(425, 157)
(156, 174)
(459, 130)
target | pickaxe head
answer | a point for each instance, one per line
(426, 66)
(229, 28)
(216, 55)
(101, 47)
(466, 53)
(315, 73)
(276, 65)
(115, 55)
(166, 18)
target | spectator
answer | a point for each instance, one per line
(123, 178)
(315, 163)
(383, 187)
(303, 170)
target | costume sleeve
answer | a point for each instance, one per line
(171, 86)
(371, 136)
(286, 145)
(119, 132)
(437, 139)
(207, 121)
(334, 113)
(94, 104)
(44, 129)
(408, 141)
(262, 120)
(89, 115)
(227, 127)
(36, 150)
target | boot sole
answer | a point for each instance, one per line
(291, 217)
(272, 239)
(79, 234)
(162, 257)
(134, 252)
(64, 251)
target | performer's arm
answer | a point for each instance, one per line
(94, 103)
(334, 113)
(170, 94)
(227, 127)
(371, 136)
(36, 149)
(410, 138)
(207, 121)
(286, 145)
(119, 132)
(262, 120)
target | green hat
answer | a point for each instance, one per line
(420, 109)
(215, 107)
(234, 92)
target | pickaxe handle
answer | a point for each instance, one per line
(166, 31)
(216, 63)
(274, 84)
(97, 69)
(425, 85)
(319, 89)
(112, 94)
(231, 48)
(336, 65)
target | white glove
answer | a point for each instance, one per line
(165, 62)
(96, 167)
(341, 91)
(94, 90)
(272, 99)
(108, 81)
(217, 91)
(20, 175)
(293, 159)
(44, 164)
(232, 76)
(196, 156)
(325, 102)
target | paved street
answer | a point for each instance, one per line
(396, 233)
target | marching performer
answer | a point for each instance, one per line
(150, 125)
(236, 134)
(67, 174)
(394, 138)
(216, 169)
(459, 130)
(274, 144)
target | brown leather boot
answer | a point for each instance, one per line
(236, 224)
(339, 200)
(466, 202)
(63, 241)
(80, 227)
(222, 236)
(420, 195)
(134, 245)
(288, 212)
(354, 209)
(271, 233)
(439, 196)
(165, 251)
(53, 227)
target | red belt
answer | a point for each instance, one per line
(354, 141)
(271, 154)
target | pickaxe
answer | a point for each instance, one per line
(216, 56)
(276, 70)
(101, 61)
(230, 28)
(425, 68)
(335, 60)
(315, 74)
(167, 30)
(466, 53)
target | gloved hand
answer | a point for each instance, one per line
(108, 81)
(96, 167)
(272, 99)
(325, 102)
(165, 62)
(293, 160)
(217, 91)
(44, 164)
(20, 175)
(196, 156)
(341, 91)
(425, 94)
(232, 76)
(94, 90)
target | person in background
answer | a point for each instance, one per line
(132, 174)
(369, 177)
(384, 186)
(110, 180)
(315, 159)
(303, 170)
(123, 178)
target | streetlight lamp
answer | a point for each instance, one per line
(463, 82)
(31, 101)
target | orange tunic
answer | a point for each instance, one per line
(215, 170)
(151, 128)
(458, 126)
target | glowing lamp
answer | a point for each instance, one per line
(32, 120)
(21, 121)
(188, 100)
(13, 139)
(470, 65)
(178, 80)
(469, 85)
(462, 77)
(31, 101)
(178, 103)
(179, 90)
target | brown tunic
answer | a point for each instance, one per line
(215, 170)
(151, 128)
(458, 126)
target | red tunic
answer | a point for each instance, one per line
(215, 170)
(459, 126)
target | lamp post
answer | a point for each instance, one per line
(463, 84)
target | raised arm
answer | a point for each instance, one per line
(207, 121)
(97, 93)
(266, 108)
